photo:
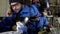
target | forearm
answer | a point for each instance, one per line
(5, 28)
(35, 18)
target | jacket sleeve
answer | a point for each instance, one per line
(46, 23)
(43, 22)
(6, 24)
(34, 12)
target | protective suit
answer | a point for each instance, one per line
(34, 27)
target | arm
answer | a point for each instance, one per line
(6, 24)
(35, 15)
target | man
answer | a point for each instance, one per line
(18, 10)
(37, 26)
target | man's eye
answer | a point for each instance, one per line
(13, 5)
(16, 4)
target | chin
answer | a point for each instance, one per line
(16, 11)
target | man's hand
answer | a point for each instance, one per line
(14, 28)
(36, 19)
(9, 13)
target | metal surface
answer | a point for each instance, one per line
(11, 32)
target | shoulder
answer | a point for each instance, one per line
(34, 10)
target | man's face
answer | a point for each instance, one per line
(16, 6)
